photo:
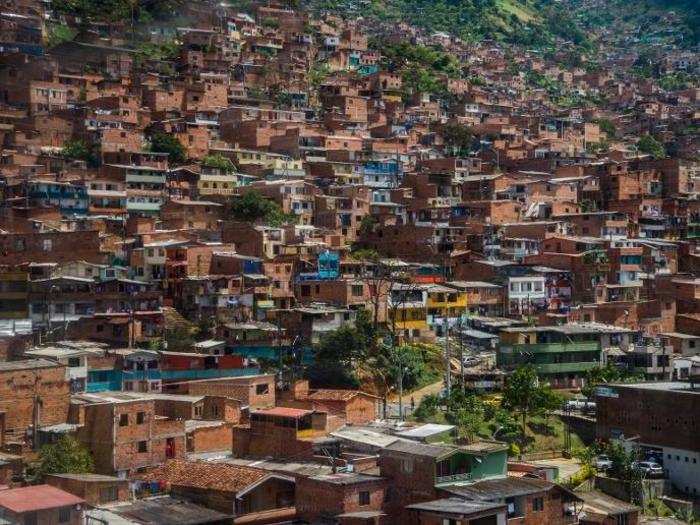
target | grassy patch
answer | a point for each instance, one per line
(518, 9)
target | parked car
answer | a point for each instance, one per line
(470, 360)
(602, 462)
(580, 404)
(649, 468)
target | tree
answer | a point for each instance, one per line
(607, 374)
(164, 143)
(218, 161)
(380, 278)
(336, 357)
(525, 395)
(467, 412)
(81, 150)
(607, 127)
(458, 138)
(648, 144)
(252, 206)
(67, 456)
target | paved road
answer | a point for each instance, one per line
(392, 407)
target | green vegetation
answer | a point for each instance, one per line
(80, 150)
(677, 81)
(482, 416)
(67, 456)
(270, 22)
(336, 358)
(607, 127)
(252, 206)
(526, 396)
(458, 138)
(648, 144)
(607, 374)
(354, 355)
(535, 23)
(168, 50)
(318, 73)
(422, 68)
(165, 143)
(57, 34)
(218, 161)
(109, 11)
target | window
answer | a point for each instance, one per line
(357, 290)
(262, 389)
(30, 518)
(622, 519)
(448, 521)
(47, 245)
(140, 418)
(143, 446)
(64, 515)
(73, 362)
(123, 420)
(537, 504)
(407, 465)
(364, 497)
(108, 494)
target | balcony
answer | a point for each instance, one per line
(453, 478)
(565, 368)
(552, 348)
(136, 375)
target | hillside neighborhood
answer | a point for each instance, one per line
(349, 262)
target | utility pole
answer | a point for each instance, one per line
(461, 355)
(400, 387)
(448, 372)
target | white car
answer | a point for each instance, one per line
(649, 468)
(602, 462)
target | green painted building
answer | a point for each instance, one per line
(561, 354)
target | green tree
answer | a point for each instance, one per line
(336, 358)
(607, 127)
(180, 338)
(165, 143)
(648, 144)
(606, 374)
(218, 161)
(252, 206)
(80, 150)
(524, 395)
(467, 412)
(67, 456)
(428, 408)
(458, 138)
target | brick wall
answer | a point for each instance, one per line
(412, 481)
(50, 247)
(644, 413)
(210, 439)
(18, 390)
(318, 498)
(93, 492)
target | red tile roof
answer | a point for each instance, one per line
(284, 412)
(36, 497)
(204, 475)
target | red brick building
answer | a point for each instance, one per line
(333, 496)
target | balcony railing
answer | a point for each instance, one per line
(564, 368)
(580, 346)
(453, 478)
